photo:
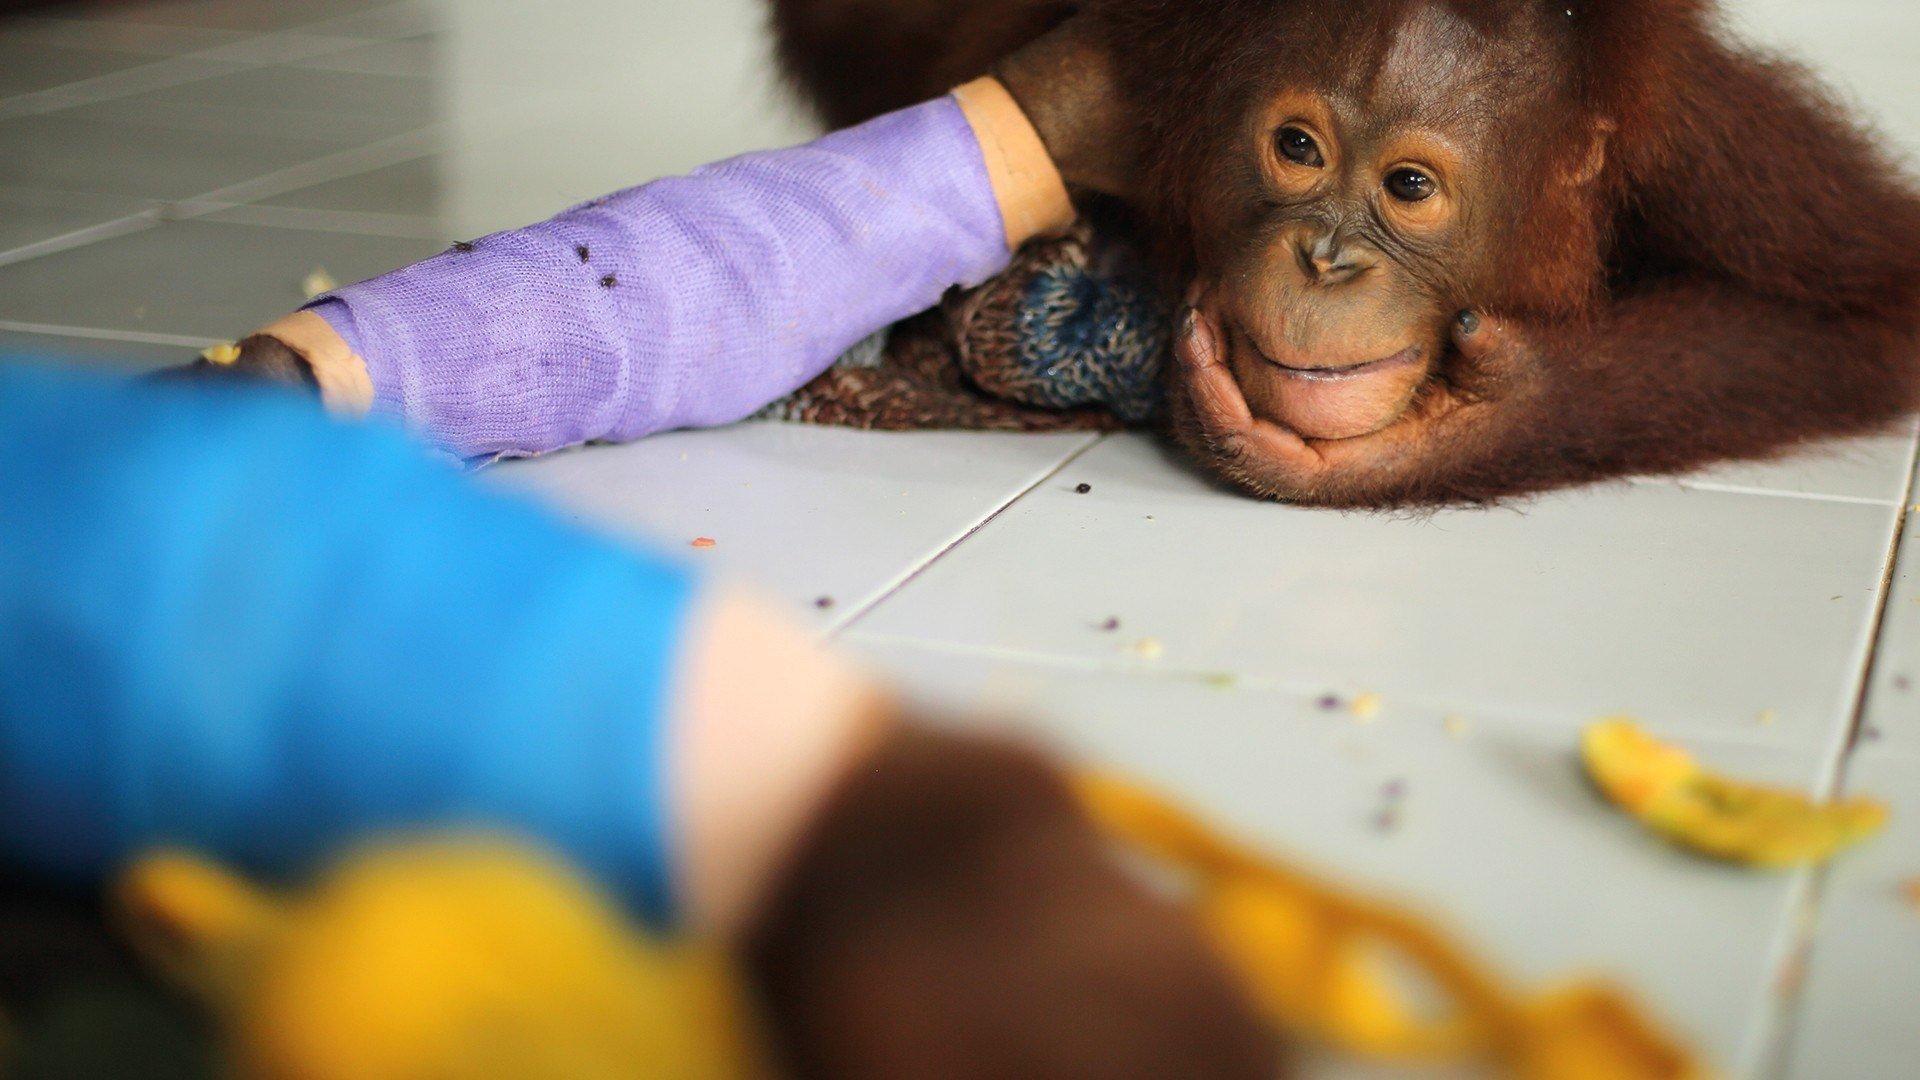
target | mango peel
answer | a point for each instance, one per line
(1664, 788)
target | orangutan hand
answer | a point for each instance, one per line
(953, 914)
(1064, 81)
(1456, 417)
(262, 358)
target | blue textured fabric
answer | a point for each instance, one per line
(1090, 335)
(228, 623)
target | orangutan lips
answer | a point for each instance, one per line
(1405, 356)
(1335, 401)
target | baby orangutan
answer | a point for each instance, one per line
(1455, 250)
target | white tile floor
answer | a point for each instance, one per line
(170, 171)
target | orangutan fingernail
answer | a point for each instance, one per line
(1469, 322)
(1199, 338)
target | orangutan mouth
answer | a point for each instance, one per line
(1405, 357)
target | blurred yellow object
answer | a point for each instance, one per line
(1376, 982)
(442, 959)
(316, 282)
(1747, 823)
(225, 354)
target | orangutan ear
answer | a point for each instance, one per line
(1586, 168)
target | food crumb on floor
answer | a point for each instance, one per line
(1456, 725)
(1793, 973)
(1663, 787)
(1111, 624)
(823, 602)
(1393, 799)
(1222, 680)
(316, 282)
(1147, 648)
(1082, 489)
(1328, 702)
(1910, 892)
(704, 542)
(1768, 717)
(1366, 707)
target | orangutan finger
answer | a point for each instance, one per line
(1221, 410)
(1481, 337)
(1217, 397)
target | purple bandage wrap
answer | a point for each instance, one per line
(688, 302)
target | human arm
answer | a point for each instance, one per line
(230, 625)
(691, 301)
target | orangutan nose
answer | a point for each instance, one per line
(1327, 261)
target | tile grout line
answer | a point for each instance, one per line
(1783, 493)
(352, 161)
(1771, 1056)
(80, 92)
(85, 235)
(906, 577)
(345, 222)
(1421, 707)
(394, 150)
(136, 337)
(1710, 487)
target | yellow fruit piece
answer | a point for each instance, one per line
(1728, 819)
(1367, 706)
(460, 958)
(1148, 649)
(1592, 1032)
(1354, 974)
(222, 354)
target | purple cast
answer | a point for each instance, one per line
(687, 302)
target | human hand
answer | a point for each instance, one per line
(954, 913)
(260, 358)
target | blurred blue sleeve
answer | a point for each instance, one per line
(228, 623)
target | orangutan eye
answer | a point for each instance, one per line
(1298, 147)
(1410, 185)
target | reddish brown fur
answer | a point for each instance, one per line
(1741, 278)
